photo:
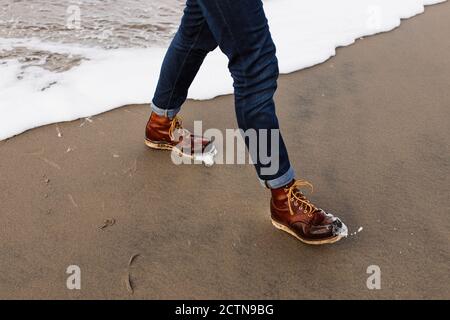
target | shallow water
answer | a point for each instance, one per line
(102, 23)
(106, 24)
(55, 67)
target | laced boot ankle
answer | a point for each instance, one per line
(163, 133)
(293, 213)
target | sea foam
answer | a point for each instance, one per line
(306, 33)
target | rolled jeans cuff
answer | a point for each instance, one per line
(170, 113)
(280, 181)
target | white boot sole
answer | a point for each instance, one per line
(343, 233)
(207, 158)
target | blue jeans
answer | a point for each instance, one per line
(240, 29)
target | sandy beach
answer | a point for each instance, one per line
(369, 128)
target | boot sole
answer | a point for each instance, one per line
(335, 239)
(168, 147)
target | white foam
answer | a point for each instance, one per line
(306, 33)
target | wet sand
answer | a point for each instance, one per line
(369, 128)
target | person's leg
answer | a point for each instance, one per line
(183, 59)
(192, 42)
(240, 28)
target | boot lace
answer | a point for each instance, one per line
(177, 124)
(299, 199)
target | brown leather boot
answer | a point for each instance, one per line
(293, 213)
(164, 133)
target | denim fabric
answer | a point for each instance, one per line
(240, 29)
